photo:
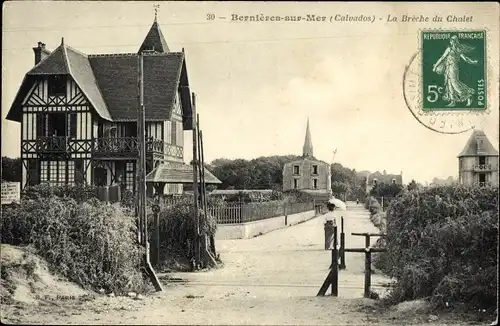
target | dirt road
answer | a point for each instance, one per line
(270, 279)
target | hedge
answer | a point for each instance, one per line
(442, 244)
(178, 228)
(90, 243)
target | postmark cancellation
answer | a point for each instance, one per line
(446, 83)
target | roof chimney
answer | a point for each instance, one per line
(40, 52)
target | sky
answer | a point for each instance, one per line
(258, 82)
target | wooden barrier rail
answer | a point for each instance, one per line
(333, 276)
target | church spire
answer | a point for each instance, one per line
(307, 150)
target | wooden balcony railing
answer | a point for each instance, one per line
(103, 147)
(119, 145)
(129, 146)
(54, 144)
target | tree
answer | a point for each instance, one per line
(412, 185)
(340, 188)
(386, 190)
(11, 169)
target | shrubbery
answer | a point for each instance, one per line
(373, 205)
(178, 227)
(442, 244)
(91, 243)
(297, 196)
(80, 193)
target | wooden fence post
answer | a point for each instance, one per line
(335, 261)
(285, 204)
(368, 271)
(342, 244)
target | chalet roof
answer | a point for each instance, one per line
(117, 78)
(109, 81)
(385, 178)
(471, 147)
(178, 173)
(154, 40)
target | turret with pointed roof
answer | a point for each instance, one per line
(478, 161)
(307, 150)
(478, 144)
(154, 40)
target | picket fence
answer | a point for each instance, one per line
(238, 212)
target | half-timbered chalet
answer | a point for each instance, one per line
(78, 114)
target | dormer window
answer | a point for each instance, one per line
(57, 85)
(480, 145)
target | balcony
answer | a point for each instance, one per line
(483, 167)
(119, 147)
(55, 144)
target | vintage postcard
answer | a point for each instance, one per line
(249, 163)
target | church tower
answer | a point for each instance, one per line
(307, 150)
(308, 174)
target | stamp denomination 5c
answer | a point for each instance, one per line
(445, 85)
(453, 70)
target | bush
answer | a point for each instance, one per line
(178, 227)
(373, 205)
(442, 243)
(297, 196)
(90, 243)
(80, 193)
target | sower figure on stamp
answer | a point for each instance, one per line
(448, 65)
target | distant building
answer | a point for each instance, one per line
(308, 174)
(373, 178)
(478, 161)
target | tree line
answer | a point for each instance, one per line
(263, 173)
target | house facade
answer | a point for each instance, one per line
(372, 179)
(478, 161)
(78, 114)
(308, 174)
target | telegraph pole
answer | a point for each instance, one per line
(195, 182)
(141, 193)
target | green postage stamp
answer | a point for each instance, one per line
(453, 67)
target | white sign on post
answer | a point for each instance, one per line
(11, 192)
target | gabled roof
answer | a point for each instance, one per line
(154, 40)
(109, 81)
(312, 159)
(178, 173)
(64, 60)
(471, 147)
(55, 63)
(384, 178)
